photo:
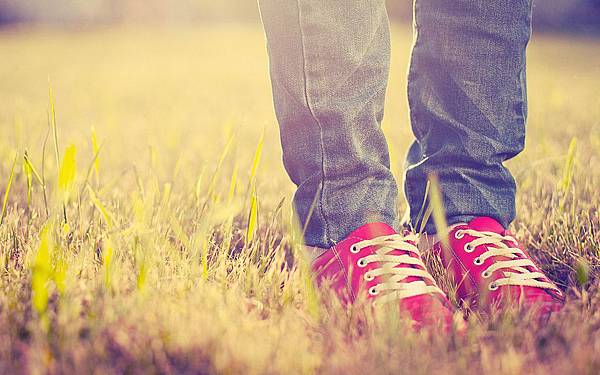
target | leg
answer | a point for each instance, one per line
(467, 97)
(329, 64)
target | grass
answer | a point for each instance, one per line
(180, 252)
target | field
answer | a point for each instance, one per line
(179, 253)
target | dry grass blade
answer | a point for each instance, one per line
(209, 275)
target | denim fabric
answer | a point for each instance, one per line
(329, 63)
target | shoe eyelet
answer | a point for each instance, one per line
(368, 277)
(459, 234)
(468, 248)
(354, 249)
(486, 274)
(373, 291)
(361, 263)
(493, 286)
(477, 261)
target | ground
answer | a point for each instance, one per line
(179, 253)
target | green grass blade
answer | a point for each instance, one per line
(257, 157)
(107, 261)
(30, 166)
(41, 275)
(252, 216)
(108, 218)
(52, 121)
(67, 172)
(90, 170)
(29, 181)
(6, 193)
(438, 211)
(232, 184)
(96, 151)
(224, 153)
(567, 178)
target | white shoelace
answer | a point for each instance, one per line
(393, 288)
(518, 275)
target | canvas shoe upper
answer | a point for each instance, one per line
(387, 268)
(490, 268)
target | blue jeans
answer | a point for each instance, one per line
(329, 63)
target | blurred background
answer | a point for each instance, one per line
(557, 15)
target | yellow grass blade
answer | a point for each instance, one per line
(152, 152)
(198, 187)
(8, 186)
(108, 218)
(166, 196)
(96, 150)
(252, 217)
(107, 259)
(142, 275)
(59, 274)
(40, 179)
(297, 243)
(438, 211)
(67, 172)
(257, 156)
(565, 182)
(232, 183)
(90, 170)
(424, 211)
(425, 219)
(41, 273)
(52, 119)
(224, 153)
(29, 180)
(179, 232)
(30, 166)
(204, 258)
(582, 269)
(311, 210)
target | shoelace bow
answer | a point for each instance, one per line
(517, 272)
(394, 287)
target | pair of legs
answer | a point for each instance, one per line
(329, 63)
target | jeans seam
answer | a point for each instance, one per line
(312, 113)
(408, 188)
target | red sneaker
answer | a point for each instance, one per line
(491, 269)
(387, 266)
